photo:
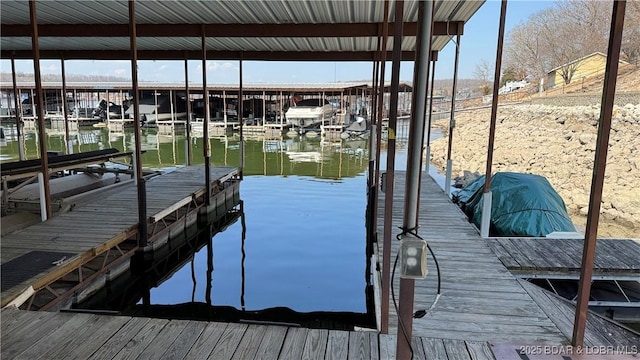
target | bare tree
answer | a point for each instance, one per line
(525, 50)
(557, 37)
(631, 32)
(484, 73)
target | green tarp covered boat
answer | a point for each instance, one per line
(522, 205)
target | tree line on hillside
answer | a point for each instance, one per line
(567, 31)
(557, 36)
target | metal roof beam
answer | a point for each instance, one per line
(224, 30)
(211, 54)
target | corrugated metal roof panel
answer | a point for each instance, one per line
(222, 12)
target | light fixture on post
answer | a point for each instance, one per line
(413, 258)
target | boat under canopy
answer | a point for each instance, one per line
(522, 205)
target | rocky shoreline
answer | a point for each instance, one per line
(559, 143)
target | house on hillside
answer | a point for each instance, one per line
(579, 69)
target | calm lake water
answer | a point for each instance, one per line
(304, 206)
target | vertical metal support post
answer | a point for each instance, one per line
(45, 196)
(171, 107)
(33, 104)
(137, 159)
(241, 118)
(452, 121)
(414, 161)
(600, 163)
(487, 196)
(207, 117)
(386, 245)
(418, 108)
(371, 187)
(188, 98)
(224, 105)
(280, 110)
(42, 190)
(428, 150)
(121, 105)
(65, 108)
(430, 57)
(264, 108)
(18, 107)
(108, 103)
(402, 347)
(372, 159)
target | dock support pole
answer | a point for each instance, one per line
(428, 149)
(241, 116)
(414, 160)
(18, 107)
(205, 126)
(41, 187)
(452, 121)
(188, 98)
(264, 109)
(65, 109)
(142, 197)
(600, 163)
(45, 196)
(386, 246)
(487, 196)
(426, 121)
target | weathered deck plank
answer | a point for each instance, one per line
(564, 256)
(141, 340)
(271, 343)
(119, 340)
(470, 270)
(315, 345)
(338, 345)
(207, 340)
(228, 342)
(293, 344)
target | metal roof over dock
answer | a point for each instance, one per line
(468, 315)
(253, 30)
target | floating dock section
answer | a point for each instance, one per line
(45, 264)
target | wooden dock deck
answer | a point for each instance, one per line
(481, 300)
(485, 312)
(615, 258)
(42, 253)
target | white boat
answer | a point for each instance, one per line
(310, 113)
(159, 107)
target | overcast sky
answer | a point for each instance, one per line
(478, 43)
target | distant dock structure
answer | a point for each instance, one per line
(173, 106)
